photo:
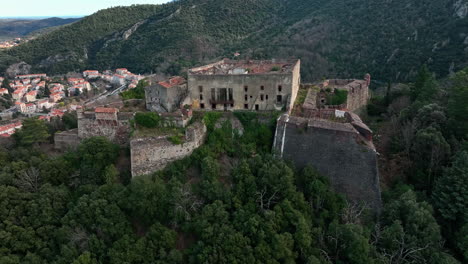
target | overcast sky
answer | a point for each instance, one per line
(48, 8)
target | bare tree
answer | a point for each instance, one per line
(404, 253)
(80, 238)
(187, 203)
(352, 213)
(265, 201)
(29, 180)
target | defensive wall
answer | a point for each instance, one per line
(339, 149)
(150, 154)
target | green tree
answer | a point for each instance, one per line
(425, 87)
(149, 119)
(70, 120)
(457, 110)
(430, 152)
(34, 131)
(451, 192)
(410, 232)
(94, 156)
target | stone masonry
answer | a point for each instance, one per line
(340, 149)
(151, 154)
(106, 122)
(244, 85)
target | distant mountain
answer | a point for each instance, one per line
(334, 38)
(12, 28)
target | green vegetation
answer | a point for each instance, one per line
(148, 119)
(176, 139)
(229, 202)
(425, 128)
(275, 68)
(301, 96)
(346, 38)
(338, 97)
(135, 93)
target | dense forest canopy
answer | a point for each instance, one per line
(389, 39)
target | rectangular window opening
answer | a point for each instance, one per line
(279, 98)
(246, 106)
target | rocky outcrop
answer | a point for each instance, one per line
(460, 8)
(50, 61)
(20, 68)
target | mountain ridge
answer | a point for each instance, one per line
(333, 38)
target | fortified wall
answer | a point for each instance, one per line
(106, 122)
(151, 154)
(66, 140)
(340, 149)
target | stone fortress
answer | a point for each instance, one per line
(320, 127)
(333, 139)
(105, 122)
(244, 85)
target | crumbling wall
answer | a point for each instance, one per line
(151, 154)
(66, 140)
(335, 150)
(117, 131)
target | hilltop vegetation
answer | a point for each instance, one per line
(229, 202)
(389, 39)
(13, 28)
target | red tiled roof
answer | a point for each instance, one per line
(177, 80)
(106, 110)
(5, 128)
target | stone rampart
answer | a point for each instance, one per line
(67, 140)
(151, 154)
(117, 130)
(337, 150)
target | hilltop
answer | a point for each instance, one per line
(337, 38)
(12, 28)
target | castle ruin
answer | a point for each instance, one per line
(244, 85)
(150, 154)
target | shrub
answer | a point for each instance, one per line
(275, 68)
(339, 97)
(149, 120)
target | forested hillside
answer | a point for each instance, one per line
(232, 202)
(389, 39)
(13, 28)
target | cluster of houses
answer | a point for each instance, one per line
(27, 92)
(120, 77)
(10, 43)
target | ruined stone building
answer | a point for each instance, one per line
(150, 154)
(339, 148)
(105, 122)
(244, 85)
(166, 96)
